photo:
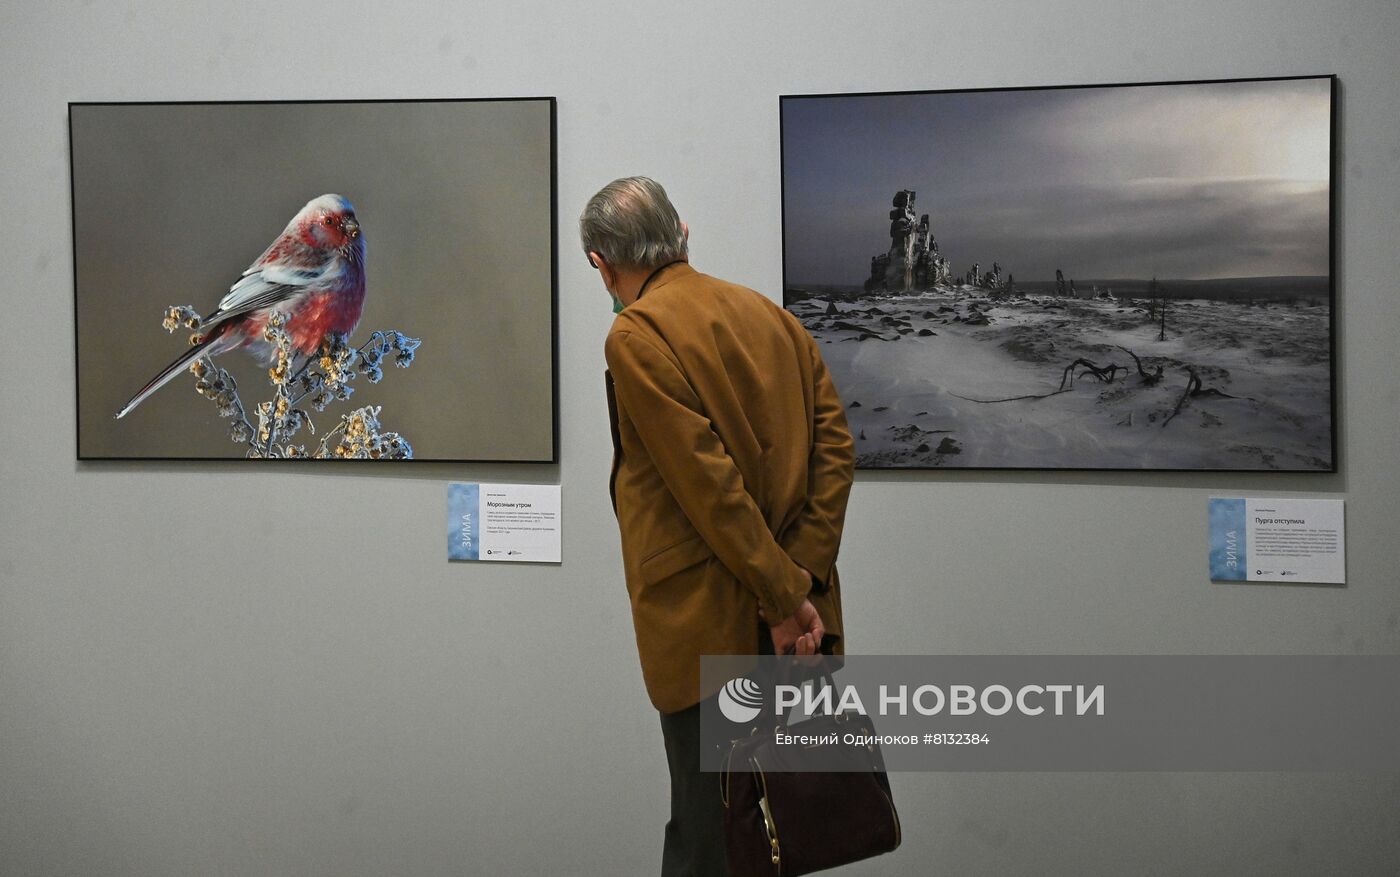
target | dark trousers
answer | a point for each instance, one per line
(695, 833)
(695, 844)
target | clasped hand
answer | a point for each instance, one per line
(800, 633)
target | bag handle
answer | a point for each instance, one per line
(793, 668)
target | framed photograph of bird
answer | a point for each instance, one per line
(369, 280)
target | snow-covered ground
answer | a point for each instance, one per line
(923, 378)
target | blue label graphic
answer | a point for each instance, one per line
(1229, 555)
(464, 522)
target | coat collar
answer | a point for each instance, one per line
(664, 275)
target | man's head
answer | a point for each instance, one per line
(630, 228)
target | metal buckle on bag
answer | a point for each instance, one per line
(768, 823)
(772, 829)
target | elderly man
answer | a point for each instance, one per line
(731, 468)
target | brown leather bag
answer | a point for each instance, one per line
(781, 822)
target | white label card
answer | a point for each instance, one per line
(506, 522)
(1277, 540)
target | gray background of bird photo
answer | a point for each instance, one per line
(173, 201)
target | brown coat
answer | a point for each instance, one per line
(732, 464)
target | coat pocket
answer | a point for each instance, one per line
(669, 561)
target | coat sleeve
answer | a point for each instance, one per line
(700, 474)
(813, 538)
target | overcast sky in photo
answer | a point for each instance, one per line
(1175, 181)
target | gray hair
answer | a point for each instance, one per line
(632, 224)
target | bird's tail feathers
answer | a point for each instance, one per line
(209, 347)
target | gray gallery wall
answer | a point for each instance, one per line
(217, 669)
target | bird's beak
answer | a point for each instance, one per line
(352, 229)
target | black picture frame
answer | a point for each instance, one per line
(843, 155)
(458, 199)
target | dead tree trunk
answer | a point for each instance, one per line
(1195, 390)
(1149, 380)
(1106, 374)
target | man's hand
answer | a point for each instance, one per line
(798, 634)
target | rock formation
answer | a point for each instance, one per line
(912, 261)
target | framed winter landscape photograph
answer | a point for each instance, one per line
(1086, 277)
(367, 280)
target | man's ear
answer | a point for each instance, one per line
(685, 231)
(605, 271)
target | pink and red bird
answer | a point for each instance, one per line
(313, 274)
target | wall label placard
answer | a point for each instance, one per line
(1277, 540)
(506, 522)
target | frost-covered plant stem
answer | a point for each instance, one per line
(322, 378)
